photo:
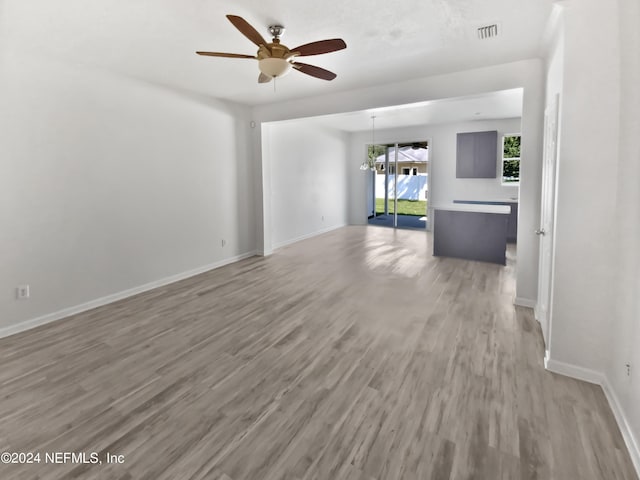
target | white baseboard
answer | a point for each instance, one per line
(573, 371)
(524, 302)
(99, 302)
(546, 358)
(308, 235)
(601, 379)
(629, 438)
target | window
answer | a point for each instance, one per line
(406, 171)
(511, 159)
(392, 169)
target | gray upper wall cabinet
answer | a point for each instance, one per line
(477, 155)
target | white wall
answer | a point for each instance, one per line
(108, 184)
(596, 308)
(445, 187)
(308, 182)
(553, 94)
(586, 194)
(626, 327)
(527, 74)
(555, 61)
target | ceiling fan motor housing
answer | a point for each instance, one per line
(273, 58)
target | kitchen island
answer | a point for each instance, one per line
(471, 231)
(512, 222)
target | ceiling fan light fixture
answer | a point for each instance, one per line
(274, 67)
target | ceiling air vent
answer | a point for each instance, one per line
(488, 31)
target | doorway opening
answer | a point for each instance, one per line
(399, 185)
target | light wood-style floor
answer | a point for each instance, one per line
(352, 355)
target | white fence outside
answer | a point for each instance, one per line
(410, 187)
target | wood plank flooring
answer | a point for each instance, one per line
(353, 355)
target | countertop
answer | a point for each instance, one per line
(490, 201)
(474, 207)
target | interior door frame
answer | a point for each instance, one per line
(546, 232)
(429, 210)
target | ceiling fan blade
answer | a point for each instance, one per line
(322, 46)
(228, 55)
(262, 78)
(314, 71)
(247, 30)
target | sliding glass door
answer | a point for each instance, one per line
(400, 185)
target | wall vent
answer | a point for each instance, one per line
(488, 31)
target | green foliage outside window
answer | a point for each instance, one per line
(511, 147)
(376, 150)
(511, 159)
(511, 171)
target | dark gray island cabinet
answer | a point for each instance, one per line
(512, 223)
(471, 231)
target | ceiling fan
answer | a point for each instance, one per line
(275, 59)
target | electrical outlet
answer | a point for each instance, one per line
(22, 292)
(628, 367)
(223, 242)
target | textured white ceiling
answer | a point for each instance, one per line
(155, 40)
